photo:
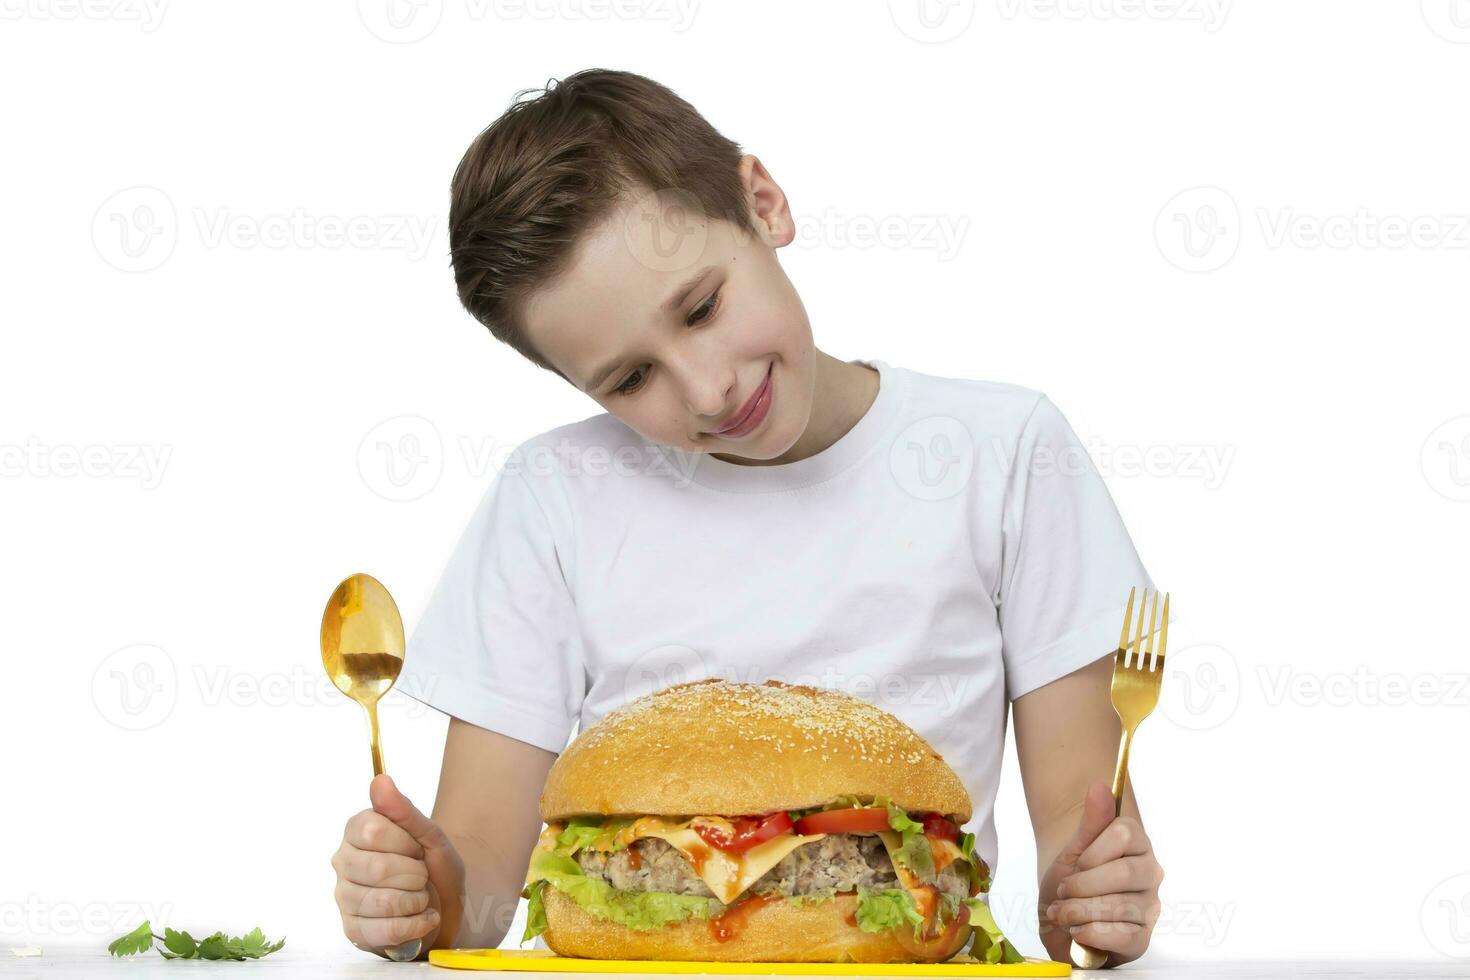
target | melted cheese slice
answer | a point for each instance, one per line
(946, 852)
(727, 875)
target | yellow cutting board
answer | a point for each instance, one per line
(545, 961)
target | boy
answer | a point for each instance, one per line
(747, 507)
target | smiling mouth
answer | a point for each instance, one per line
(753, 406)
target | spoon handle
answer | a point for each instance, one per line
(372, 712)
(410, 950)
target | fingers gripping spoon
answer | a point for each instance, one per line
(362, 651)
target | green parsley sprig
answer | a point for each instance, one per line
(182, 946)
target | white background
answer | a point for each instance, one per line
(1271, 372)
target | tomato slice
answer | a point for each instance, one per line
(940, 828)
(847, 821)
(749, 831)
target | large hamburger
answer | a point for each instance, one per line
(720, 821)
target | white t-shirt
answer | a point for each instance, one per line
(954, 549)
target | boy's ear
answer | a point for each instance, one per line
(769, 209)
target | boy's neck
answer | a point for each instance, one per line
(842, 394)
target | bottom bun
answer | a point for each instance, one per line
(773, 931)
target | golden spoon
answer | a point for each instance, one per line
(362, 650)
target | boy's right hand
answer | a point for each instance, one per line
(398, 876)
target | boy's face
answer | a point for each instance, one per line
(670, 321)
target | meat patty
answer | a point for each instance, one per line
(837, 862)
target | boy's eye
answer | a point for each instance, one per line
(700, 314)
(704, 310)
(626, 387)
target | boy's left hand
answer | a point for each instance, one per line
(1103, 888)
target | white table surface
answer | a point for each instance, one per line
(82, 962)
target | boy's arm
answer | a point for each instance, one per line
(488, 788)
(1095, 872)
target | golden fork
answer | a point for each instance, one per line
(1136, 683)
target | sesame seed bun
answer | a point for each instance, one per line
(775, 931)
(715, 748)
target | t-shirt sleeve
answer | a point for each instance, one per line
(499, 645)
(1067, 560)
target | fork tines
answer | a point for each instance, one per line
(1143, 657)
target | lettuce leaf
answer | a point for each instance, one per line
(836, 803)
(887, 908)
(990, 945)
(972, 866)
(599, 833)
(636, 910)
(916, 854)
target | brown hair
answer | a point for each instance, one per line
(551, 167)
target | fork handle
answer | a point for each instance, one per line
(1120, 774)
(1086, 957)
